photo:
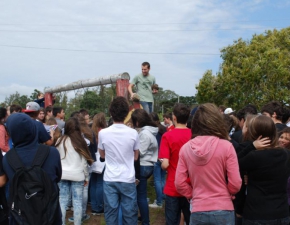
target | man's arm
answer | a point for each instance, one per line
(136, 155)
(102, 153)
(165, 164)
(130, 90)
(3, 180)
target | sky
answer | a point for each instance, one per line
(51, 43)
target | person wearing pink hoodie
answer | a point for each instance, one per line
(210, 162)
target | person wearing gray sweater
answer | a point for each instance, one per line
(148, 156)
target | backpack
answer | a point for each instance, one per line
(33, 197)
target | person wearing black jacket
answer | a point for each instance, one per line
(268, 169)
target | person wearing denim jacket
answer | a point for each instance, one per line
(148, 156)
(75, 156)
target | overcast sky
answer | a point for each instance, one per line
(36, 39)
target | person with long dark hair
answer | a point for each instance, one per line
(148, 156)
(4, 146)
(75, 157)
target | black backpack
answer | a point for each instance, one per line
(33, 197)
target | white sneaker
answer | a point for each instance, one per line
(154, 205)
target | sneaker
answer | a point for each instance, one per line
(154, 205)
(95, 213)
(84, 218)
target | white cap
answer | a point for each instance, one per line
(228, 111)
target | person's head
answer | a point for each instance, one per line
(48, 112)
(119, 109)
(284, 138)
(75, 114)
(57, 133)
(21, 129)
(85, 114)
(231, 122)
(140, 118)
(222, 108)
(261, 126)
(145, 68)
(241, 115)
(180, 113)
(32, 109)
(58, 112)
(208, 121)
(273, 110)
(154, 116)
(41, 115)
(72, 130)
(155, 88)
(15, 108)
(40, 95)
(99, 122)
(167, 119)
(3, 115)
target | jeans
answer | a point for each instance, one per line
(173, 208)
(96, 192)
(85, 200)
(225, 217)
(147, 106)
(120, 194)
(283, 221)
(159, 181)
(77, 188)
(145, 173)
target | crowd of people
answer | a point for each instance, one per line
(211, 165)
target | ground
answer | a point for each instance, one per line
(157, 216)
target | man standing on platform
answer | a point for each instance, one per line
(143, 83)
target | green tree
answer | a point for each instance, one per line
(255, 71)
(16, 98)
(92, 102)
(34, 94)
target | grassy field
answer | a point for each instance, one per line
(157, 216)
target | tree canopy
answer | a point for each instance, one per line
(254, 71)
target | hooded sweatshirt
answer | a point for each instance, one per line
(24, 135)
(148, 145)
(212, 167)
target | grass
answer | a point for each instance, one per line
(157, 216)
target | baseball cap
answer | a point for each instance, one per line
(228, 111)
(31, 107)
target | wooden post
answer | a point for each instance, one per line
(48, 99)
(122, 87)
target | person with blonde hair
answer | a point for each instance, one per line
(210, 162)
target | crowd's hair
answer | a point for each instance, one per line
(222, 108)
(263, 126)
(39, 93)
(249, 109)
(231, 122)
(208, 121)
(286, 114)
(48, 109)
(15, 108)
(167, 116)
(154, 116)
(75, 114)
(155, 87)
(3, 114)
(285, 130)
(85, 129)
(140, 118)
(273, 107)
(72, 130)
(119, 109)
(181, 112)
(33, 114)
(84, 112)
(146, 64)
(56, 110)
(99, 122)
(57, 132)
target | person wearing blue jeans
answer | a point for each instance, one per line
(125, 194)
(147, 106)
(77, 188)
(97, 193)
(159, 181)
(225, 217)
(145, 173)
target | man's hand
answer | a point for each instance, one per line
(86, 183)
